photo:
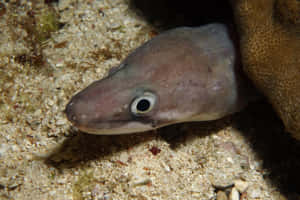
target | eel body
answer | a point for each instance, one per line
(185, 74)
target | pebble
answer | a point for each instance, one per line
(222, 184)
(240, 185)
(12, 186)
(142, 182)
(221, 195)
(52, 192)
(15, 148)
(166, 167)
(234, 194)
(3, 149)
(63, 4)
(62, 181)
(61, 122)
(254, 192)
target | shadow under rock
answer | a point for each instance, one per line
(181, 133)
(172, 13)
(279, 152)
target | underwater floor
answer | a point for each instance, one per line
(49, 50)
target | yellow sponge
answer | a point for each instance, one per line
(270, 45)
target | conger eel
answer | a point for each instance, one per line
(184, 74)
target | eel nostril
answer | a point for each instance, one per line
(69, 111)
(73, 118)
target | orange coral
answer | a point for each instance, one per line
(270, 45)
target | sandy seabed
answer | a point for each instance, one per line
(43, 157)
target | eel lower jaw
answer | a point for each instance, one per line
(136, 127)
(115, 131)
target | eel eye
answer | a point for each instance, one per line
(143, 104)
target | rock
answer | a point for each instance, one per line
(234, 194)
(270, 48)
(240, 185)
(221, 195)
